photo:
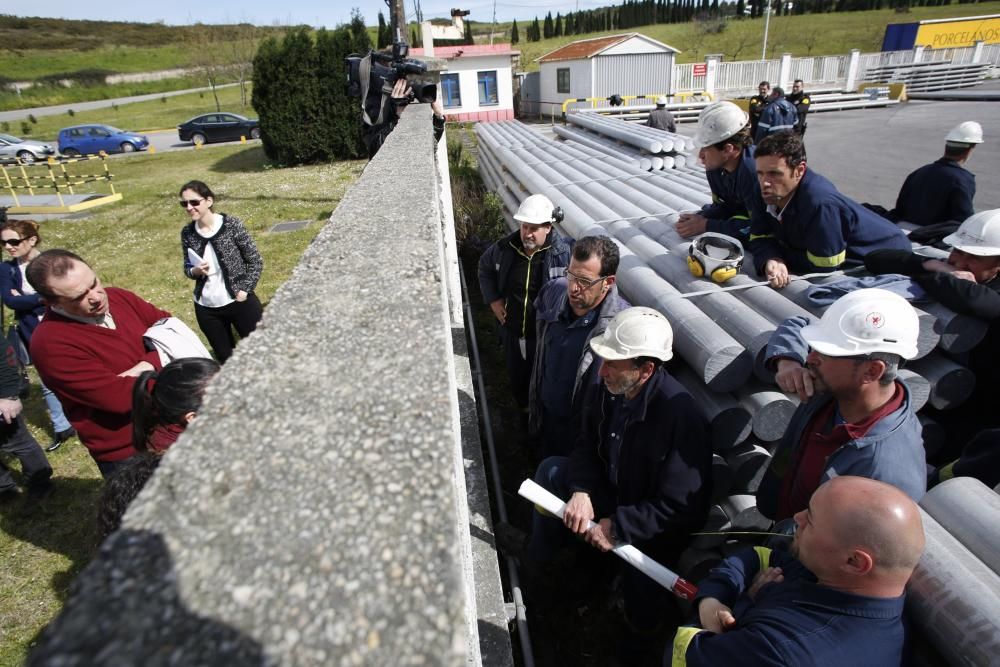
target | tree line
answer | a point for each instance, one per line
(635, 13)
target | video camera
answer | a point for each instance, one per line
(384, 70)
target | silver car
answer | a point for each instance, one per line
(26, 150)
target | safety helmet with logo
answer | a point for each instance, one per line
(719, 121)
(978, 235)
(865, 321)
(661, 101)
(635, 332)
(717, 256)
(969, 132)
(538, 210)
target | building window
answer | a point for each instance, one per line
(451, 96)
(562, 80)
(488, 88)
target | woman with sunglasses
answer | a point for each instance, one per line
(222, 258)
(20, 239)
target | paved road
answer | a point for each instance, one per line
(168, 141)
(20, 114)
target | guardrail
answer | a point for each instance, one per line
(55, 189)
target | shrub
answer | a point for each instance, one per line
(164, 99)
(32, 119)
(300, 97)
(25, 128)
(71, 112)
(82, 77)
(5, 126)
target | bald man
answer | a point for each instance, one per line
(837, 599)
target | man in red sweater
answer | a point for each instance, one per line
(89, 349)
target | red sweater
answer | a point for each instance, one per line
(81, 362)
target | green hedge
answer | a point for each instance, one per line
(299, 92)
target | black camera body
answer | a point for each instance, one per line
(384, 71)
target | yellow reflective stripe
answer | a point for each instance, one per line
(827, 262)
(764, 556)
(678, 657)
(754, 237)
(947, 472)
(741, 217)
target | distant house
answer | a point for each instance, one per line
(628, 64)
(476, 84)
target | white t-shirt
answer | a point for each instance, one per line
(214, 293)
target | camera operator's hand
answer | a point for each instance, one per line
(437, 108)
(401, 92)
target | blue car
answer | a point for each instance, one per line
(87, 139)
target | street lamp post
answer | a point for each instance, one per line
(767, 22)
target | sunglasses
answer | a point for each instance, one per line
(12, 242)
(190, 202)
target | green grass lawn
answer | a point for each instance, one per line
(139, 116)
(135, 244)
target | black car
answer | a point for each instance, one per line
(218, 127)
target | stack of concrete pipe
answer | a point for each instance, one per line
(652, 149)
(720, 336)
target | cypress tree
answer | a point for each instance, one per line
(384, 33)
(547, 26)
(558, 29)
(468, 33)
(514, 37)
(536, 31)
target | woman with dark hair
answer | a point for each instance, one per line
(20, 239)
(222, 258)
(164, 403)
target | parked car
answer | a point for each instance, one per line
(27, 151)
(87, 139)
(218, 127)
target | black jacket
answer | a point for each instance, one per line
(238, 257)
(941, 191)
(664, 469)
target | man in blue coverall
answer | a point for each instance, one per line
(726, 150)
(837, 599)
(810, 226)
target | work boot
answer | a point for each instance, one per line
(61, 437)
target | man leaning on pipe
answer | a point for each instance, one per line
(856, 417)
(836, 599)
(809, 226)
(640, 469)
(967, 282)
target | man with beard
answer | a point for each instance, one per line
(640, 469)
(837, 599)
(570, 312)
(511, 272)
(855, 417)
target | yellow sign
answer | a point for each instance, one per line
(958, 33)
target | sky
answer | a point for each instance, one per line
(317, 13)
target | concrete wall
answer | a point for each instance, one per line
(468, 68)
(316, 512)
(580, 77)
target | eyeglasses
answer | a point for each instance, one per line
(12, 242)
(583, 282)
(191, 202)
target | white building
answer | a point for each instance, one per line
(476, 84)
(628, 64)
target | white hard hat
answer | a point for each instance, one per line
(715, 255)
(661, 100)
(719, 121)
(969, 132)
(978, 235)
(535, 210)
(865, 321)
(635, 332)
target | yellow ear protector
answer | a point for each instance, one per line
(716, 255)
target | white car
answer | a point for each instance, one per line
(27, 151)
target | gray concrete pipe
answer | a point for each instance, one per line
(642, 162)
(748, 462)
(970, 510)
(717, 523)
(610, 125)
(771, 410)
(734, 504)
(954, 598)
(722, 478)
(648, 145)
(959, 333)
(918, 386)
(749, 329)
(934, 435)
(730, 422)
(951, 384)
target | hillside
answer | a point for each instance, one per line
(804, 35)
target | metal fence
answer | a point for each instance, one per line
(742, 77)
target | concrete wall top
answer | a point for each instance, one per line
(309, 515)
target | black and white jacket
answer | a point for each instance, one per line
(239, 260)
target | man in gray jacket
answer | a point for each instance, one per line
(855, 417)
(569, 312)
